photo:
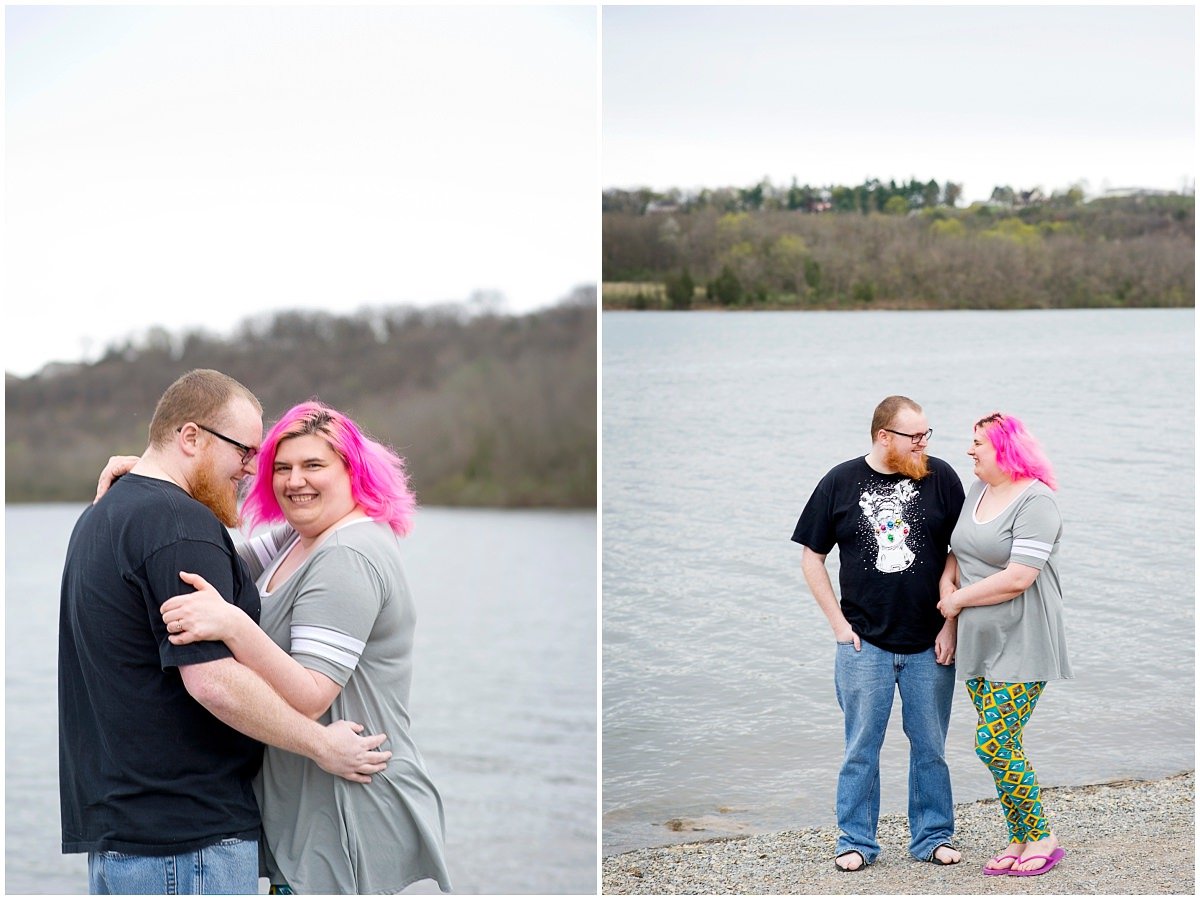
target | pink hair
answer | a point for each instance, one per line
(378, 482)
(1018, 453)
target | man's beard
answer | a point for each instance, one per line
(904, 462)
(217, 493)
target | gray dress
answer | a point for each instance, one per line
(346, 612)
(1023, 639)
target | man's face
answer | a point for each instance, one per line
(900, 453)
(219, 469)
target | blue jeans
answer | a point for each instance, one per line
(866, 682)
(226, 867)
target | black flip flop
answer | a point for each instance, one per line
(847, 853)
(937, 862)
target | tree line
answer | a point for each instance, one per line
(488, 409)
(872, 195)
(1021, 250)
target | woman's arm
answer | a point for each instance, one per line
(115, 468)
(206, 616)
(999, 587)
(261, 550)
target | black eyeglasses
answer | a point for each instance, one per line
(915, 438)
(248, 453)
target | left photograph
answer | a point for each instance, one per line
(300, 450)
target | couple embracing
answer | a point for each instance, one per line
(296, 639)
(936, 583)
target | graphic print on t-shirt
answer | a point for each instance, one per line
(886, 516)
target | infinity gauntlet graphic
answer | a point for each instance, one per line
(885, 513)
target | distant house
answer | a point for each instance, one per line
(661, 207)
(1135, 192)
(820, 203)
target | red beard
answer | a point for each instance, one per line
(216, 493)
(904, 462)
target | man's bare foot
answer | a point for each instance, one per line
(1006, 858)
(850, 861)
(1042, 848)
(947, 855)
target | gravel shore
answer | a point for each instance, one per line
(1125, 837)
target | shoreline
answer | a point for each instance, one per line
(1121, 837)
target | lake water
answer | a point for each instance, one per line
(718, 701)
(503, 698)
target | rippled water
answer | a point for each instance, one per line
(718, 700)
(503, 697)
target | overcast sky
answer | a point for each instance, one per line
(190, 166)
(1018, 95)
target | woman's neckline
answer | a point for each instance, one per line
(1013, 499)
(269, 573)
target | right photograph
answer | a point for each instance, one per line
(898, 441)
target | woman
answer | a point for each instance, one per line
(1010, 623)
(334, 596)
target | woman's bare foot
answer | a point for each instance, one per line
(1006, 858)
(1042, 848)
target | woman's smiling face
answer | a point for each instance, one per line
(311, 484)
(984, 454)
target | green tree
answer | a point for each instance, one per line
(895, 206)
(726, 289)
(752, 198)
(680, 290)
(930, 193)
(812, 274)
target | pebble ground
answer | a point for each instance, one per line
(1126, 837)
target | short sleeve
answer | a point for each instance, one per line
(335, 611)
(815, 528)
(260, 551)
(1036, 528)
(215, 565)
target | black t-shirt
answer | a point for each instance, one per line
(143, 767)
(893, 536)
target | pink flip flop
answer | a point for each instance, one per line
(988, 870)
(1051, 861)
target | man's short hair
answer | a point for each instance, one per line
(888, 409)
(200, 396)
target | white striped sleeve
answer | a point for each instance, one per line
(1036, 529)
(264, 548)
(1026, 547)
(257, 552)
(327, 644)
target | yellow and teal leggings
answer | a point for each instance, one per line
(1003, 711)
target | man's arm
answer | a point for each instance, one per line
(242, 700)
(205, 616)
(817, 576)
(946, 642)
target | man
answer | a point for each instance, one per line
(890, 514)
(158, 743)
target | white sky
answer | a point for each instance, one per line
(191, 166)
(1027, 96)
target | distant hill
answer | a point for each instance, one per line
(488, 409)
(753, 249)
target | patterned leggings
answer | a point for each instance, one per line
(1003, 711)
